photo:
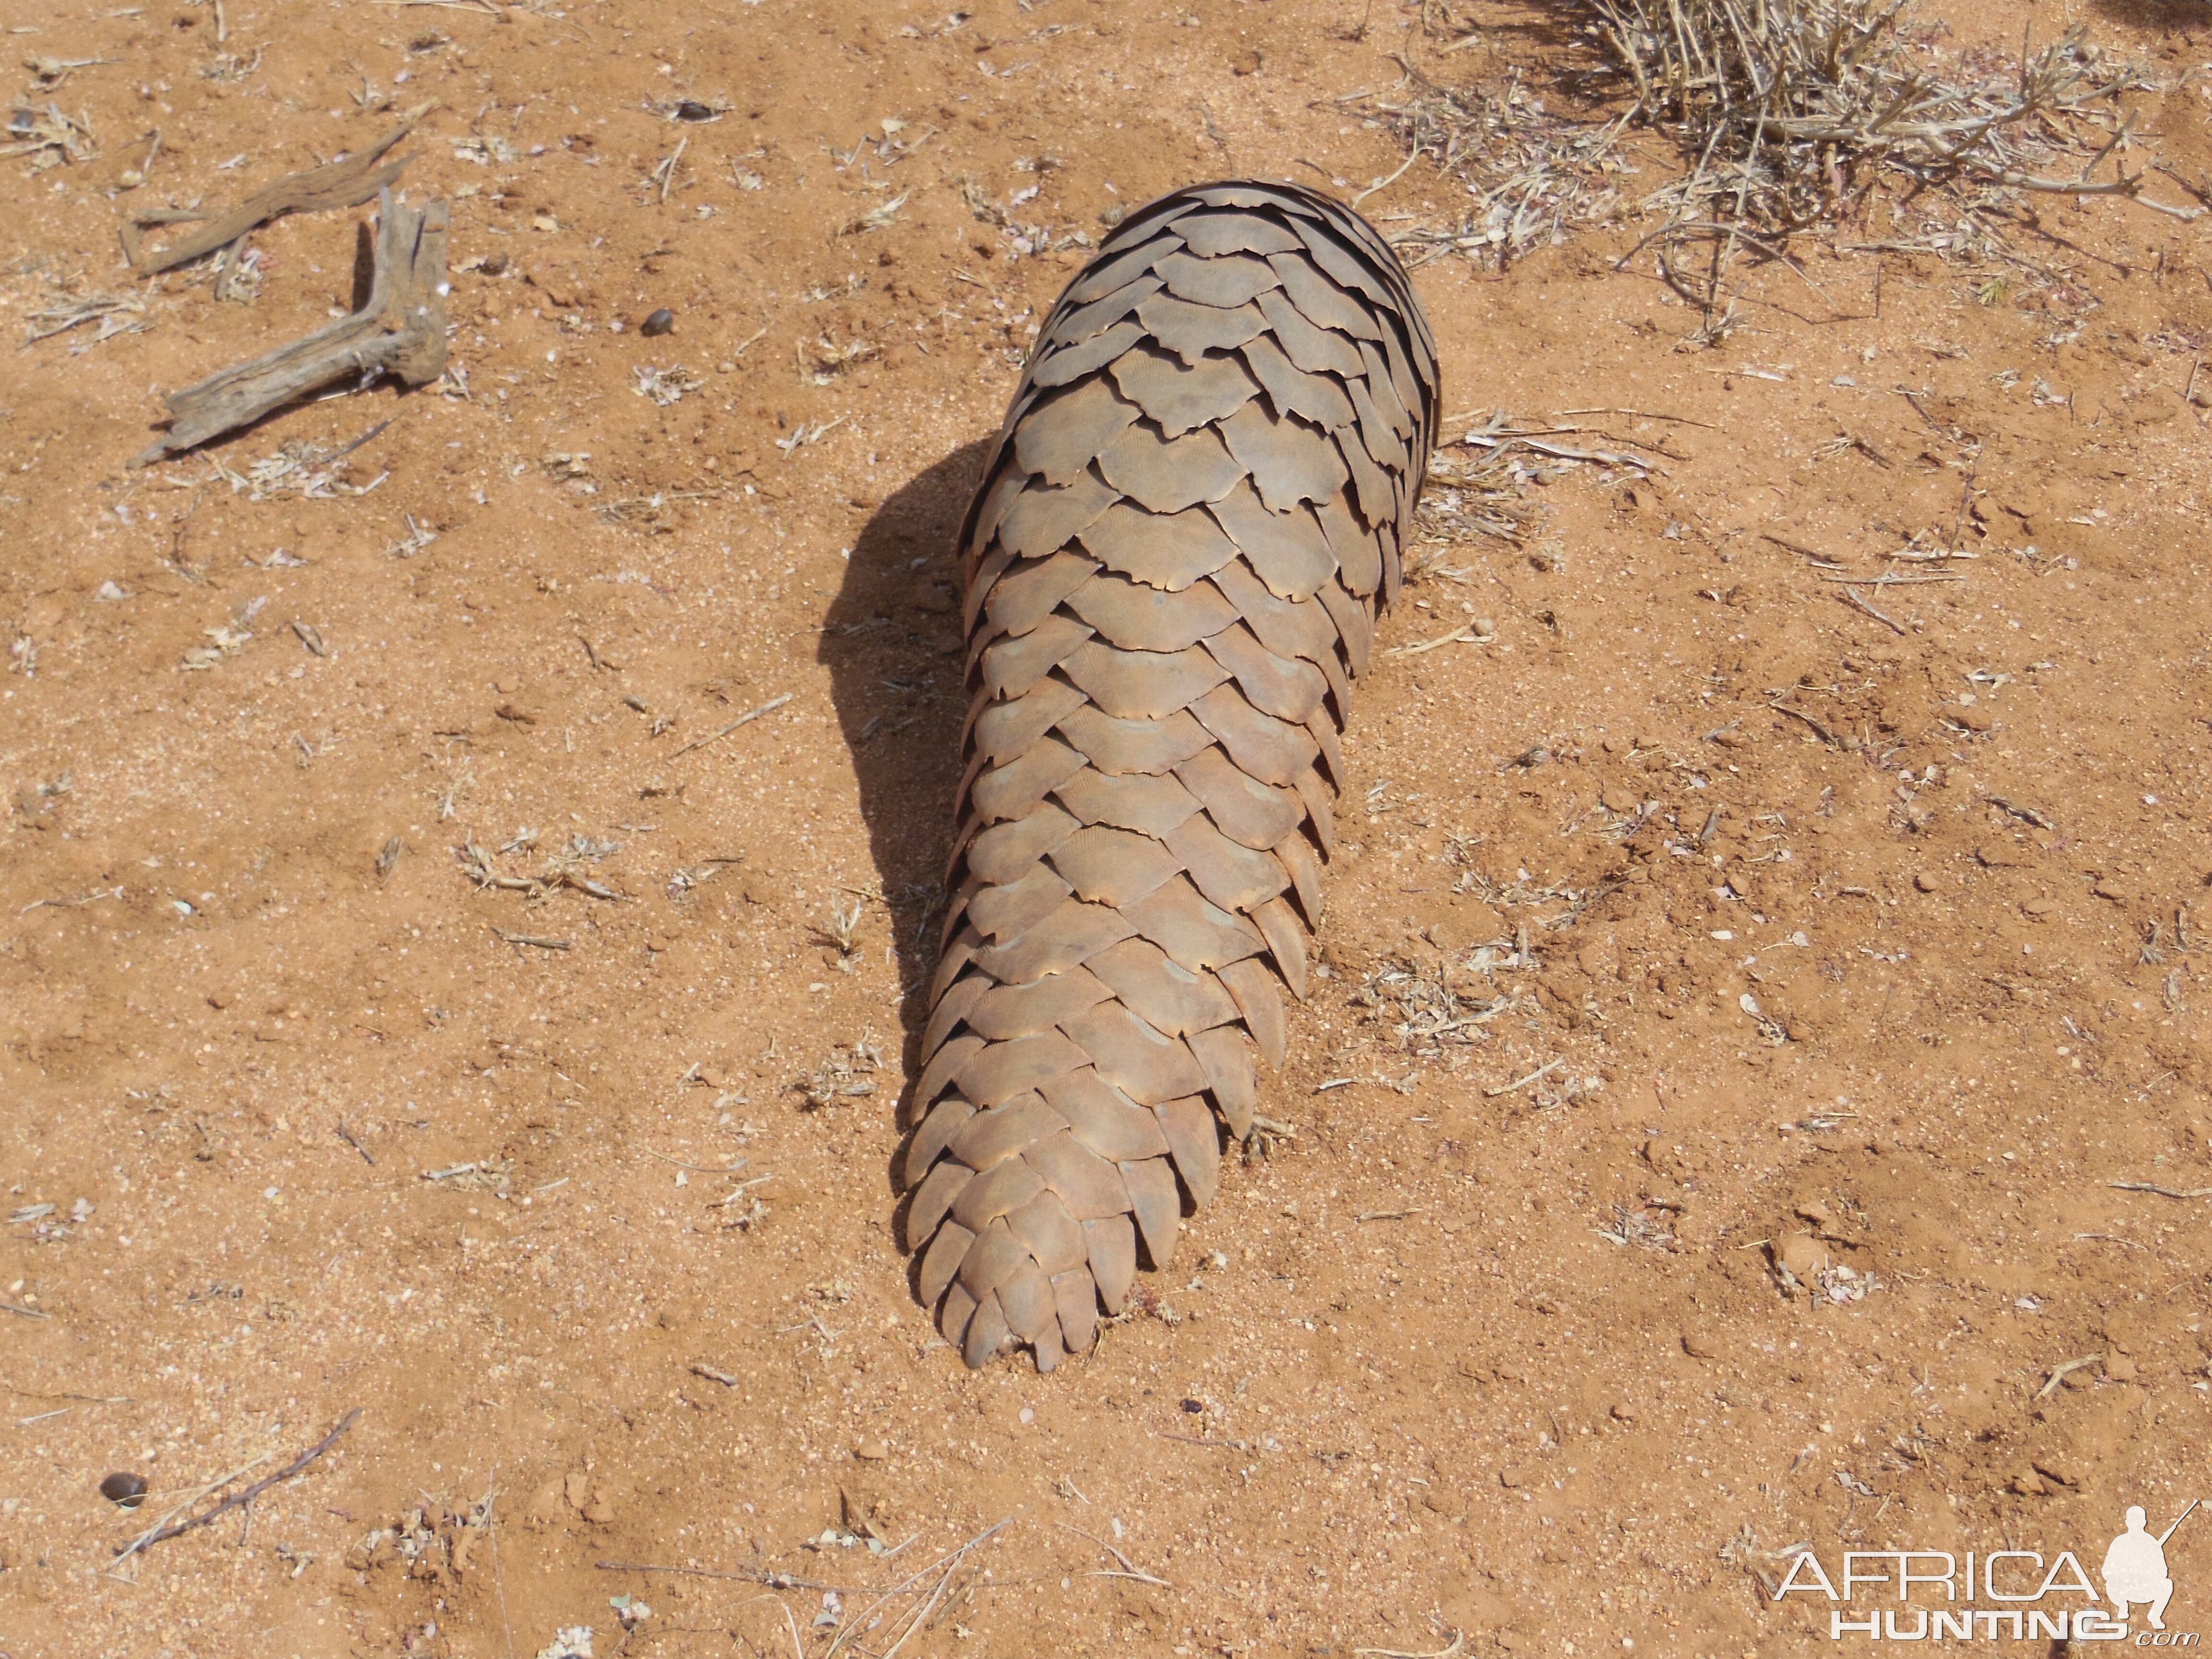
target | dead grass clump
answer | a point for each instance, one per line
(665, 385)
(848, 1074)
(1793, 107)
(50, 138)
(1534, 173)
(1022, 237)
(1419, 1005)
(1481, 494)
(1785, 114)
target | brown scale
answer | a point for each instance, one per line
(1173, 560)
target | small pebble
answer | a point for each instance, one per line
(692, 110)
(661, 322)
(124, 1490)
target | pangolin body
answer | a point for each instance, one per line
(1174, 562)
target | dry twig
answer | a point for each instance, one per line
(749, 715)
(2163, 1192)
(1458, 1647)
(2065, 1368)
(238, 1499)
(62, 313)
(539, 940)
(1522, 1083)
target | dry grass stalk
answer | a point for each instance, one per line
(844, 923)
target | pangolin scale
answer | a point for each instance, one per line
(1174, 562)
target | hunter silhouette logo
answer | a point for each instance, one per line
(1933, 1593)
(2135, 1567)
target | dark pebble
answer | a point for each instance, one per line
(691, 111)
(661, 322)
(126, 1491)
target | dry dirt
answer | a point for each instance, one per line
(1564, 1367)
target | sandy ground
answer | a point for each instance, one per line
(1867, 953)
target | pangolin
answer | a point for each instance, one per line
(1174, 562)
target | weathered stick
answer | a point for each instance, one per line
(340, 185)
(237, 1499)
(401, 330)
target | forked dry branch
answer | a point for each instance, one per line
(401, 331)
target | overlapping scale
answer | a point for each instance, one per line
(1175, 560)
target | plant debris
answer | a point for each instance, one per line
(1795, 108)
(344, 184)
(110, 311)
(401, 330)
(50, 138)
